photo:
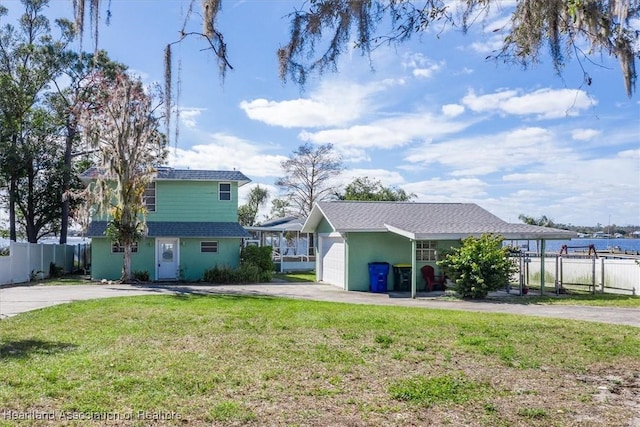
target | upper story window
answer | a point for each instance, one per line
(426, 250)
(149, 197)
(116, 247)
(224, 191)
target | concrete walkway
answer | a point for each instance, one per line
(18, 299)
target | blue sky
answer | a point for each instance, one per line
(431, 116)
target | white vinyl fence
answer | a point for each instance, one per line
(620, 276)
(27, 261)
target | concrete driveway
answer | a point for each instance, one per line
(18, 299)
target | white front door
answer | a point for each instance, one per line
(167, 259)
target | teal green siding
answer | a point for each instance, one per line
(364, 248)
(190, 201)
(324, 227)
(184, 201)
(193, 263)
(108, 265)
(193, 201)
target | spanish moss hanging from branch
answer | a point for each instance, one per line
(167, 89)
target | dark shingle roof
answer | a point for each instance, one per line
(424, 220)
(201, 175)
(171, 174)
(180, 229)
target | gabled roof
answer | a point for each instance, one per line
(180, 229)
(170, 174)
(422, 221)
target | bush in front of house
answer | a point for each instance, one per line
(141, 275)
(261, 257)
(256, 265)
(246, 273)
(479, 266)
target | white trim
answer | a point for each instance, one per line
(405, 233)
(332, 234)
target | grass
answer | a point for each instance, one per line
(299, 276)
(576, 298)
(231, 360)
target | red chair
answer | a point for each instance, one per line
(433, 282)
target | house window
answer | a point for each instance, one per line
(149, 197)
(209, 247)
(224, 191)
(116, 247)
(426, 250)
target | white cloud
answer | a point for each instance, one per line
(544, 103)
(452, 110)
(584, 134)
(576, 190)
(387, 133)
(188, 117)
(487, 154)
(334, 103)
(386, 177)
(421, 66)
(227, 152)
(448, 190)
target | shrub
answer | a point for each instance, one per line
(258, 255)
(256, 265)
(479, 266)
(141, 276)
(261, 257)
(246, 273)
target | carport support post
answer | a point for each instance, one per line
(542, 249)
(414, 281)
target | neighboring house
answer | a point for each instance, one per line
(350, 235)
(192, 225)
(292, 250)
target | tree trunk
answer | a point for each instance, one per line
(13, 189)
(66, 183)
(12, 209)
(126, 264)
(29, 215)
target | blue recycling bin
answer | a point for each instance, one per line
(378, 272)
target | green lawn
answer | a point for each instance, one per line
(300, 276)
(599, 300)
(230, 360)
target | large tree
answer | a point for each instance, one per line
(369, 190)
(30, 59)
(39, 187)
(123, 127)
(308, 176)
(257, 198)
(76, 93)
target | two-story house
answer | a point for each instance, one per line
(192, 225)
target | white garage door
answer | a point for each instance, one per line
(332, 250)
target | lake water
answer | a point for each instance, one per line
(583, 244)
